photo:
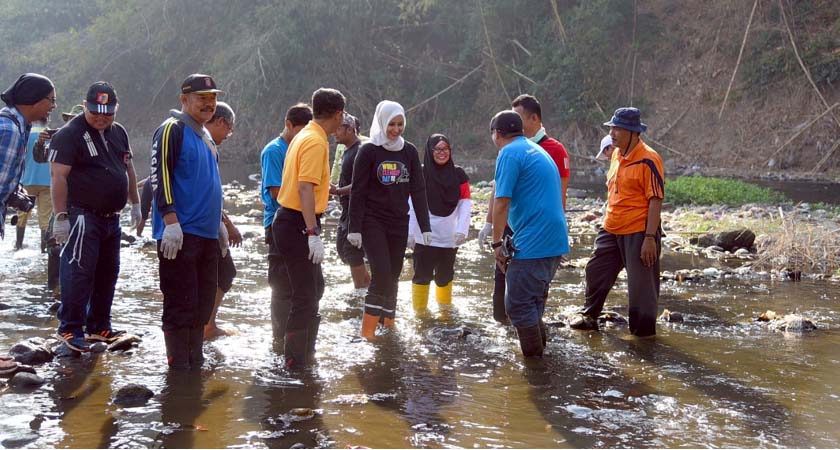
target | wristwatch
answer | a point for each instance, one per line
(496, 245)
(61, 216)
(312, 231)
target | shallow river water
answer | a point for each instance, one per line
(452, 379)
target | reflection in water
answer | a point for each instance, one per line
(451, 379)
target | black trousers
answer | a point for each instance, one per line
(613, 253)
(281, 291)
(384, 245)
(189, 282)
(499, 280)
(304, 280)
(433, 263)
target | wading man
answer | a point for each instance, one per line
(187, 220)
(631, 236)
(92, 177)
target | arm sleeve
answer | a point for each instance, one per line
(272, 167)
(358, 192)
(462, 211)
(654, 180)
(62, 148)
(311, 161)
(8, 154)
(166, 148)
(418, 193)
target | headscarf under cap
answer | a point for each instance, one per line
(443, 183)
(29, 89)
(386, 110)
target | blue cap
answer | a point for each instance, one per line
(628, 119)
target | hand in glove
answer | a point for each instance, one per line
(224, 239)
(172, 241)
(410, 243)
(316, 249)
(460, 238)
(61, 231)
(427, 237)
(485, 233)
(355, 239)
(136, 216)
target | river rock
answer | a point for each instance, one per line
(669, 316)
(132, 395)
(127, 238)
(8, 367)
(793, 323)
(4, 306)
(53, 309)
(26, 379)
(98, 347)
(249, 235)
(730, 240)
(611, 317)
(768, 316)
(254, 213)
(125, 342)
(63, 351)
(19, 441)
(711, 272)
(742, 252)
(30, 353)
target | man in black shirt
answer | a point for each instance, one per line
(348, 135)
(92, 177)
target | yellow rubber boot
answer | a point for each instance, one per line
(444, 294)
(419, 296)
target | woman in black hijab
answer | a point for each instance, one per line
(448, 196)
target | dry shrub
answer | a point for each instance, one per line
(800, 246)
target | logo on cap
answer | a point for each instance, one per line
(102, 98)
(208, 82)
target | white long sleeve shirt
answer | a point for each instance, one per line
(444, 228)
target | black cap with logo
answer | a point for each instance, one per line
(101, 98)
(507, 122)
(198, 83)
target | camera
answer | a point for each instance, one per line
(20, 201)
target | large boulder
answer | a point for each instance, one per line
(727, 240)
(132, 395)
(26, 380)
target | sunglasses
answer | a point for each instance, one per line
(100, 114)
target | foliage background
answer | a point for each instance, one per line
(673, 59)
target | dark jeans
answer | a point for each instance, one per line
(436, 263)
(281, 291)
(613, 253)
(499, 312)
(189, 282)
(384, 245)
(90, 264)
(527, 289)
(304, 279)
(227, 271)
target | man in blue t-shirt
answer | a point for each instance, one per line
(528, 198)
(271, 162)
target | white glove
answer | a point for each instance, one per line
(316, 249)
(355, 239)
(410, 243)
(136, 216)
(427, 237)
(172, 241)
(61, 230)
(460, 238)
(224, 239)
(485, 232)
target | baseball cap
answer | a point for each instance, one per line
(350, 121)
(508, 122)
(606, 141)
(101, 98)
(198, 83)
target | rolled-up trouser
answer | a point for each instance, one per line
(189, 283)
(90, 265)
(611, 254)
(528, 281)
(281, 292)
(43, 203)
(433, 263)
(305, 279)
(384, 245)
(227, 271)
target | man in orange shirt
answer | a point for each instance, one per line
(297, 224)
(631, 236)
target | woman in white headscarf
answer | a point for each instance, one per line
(387, 171)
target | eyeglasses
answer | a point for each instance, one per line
(442, 149)
(51, 99)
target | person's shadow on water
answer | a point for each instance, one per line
(182, 401)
